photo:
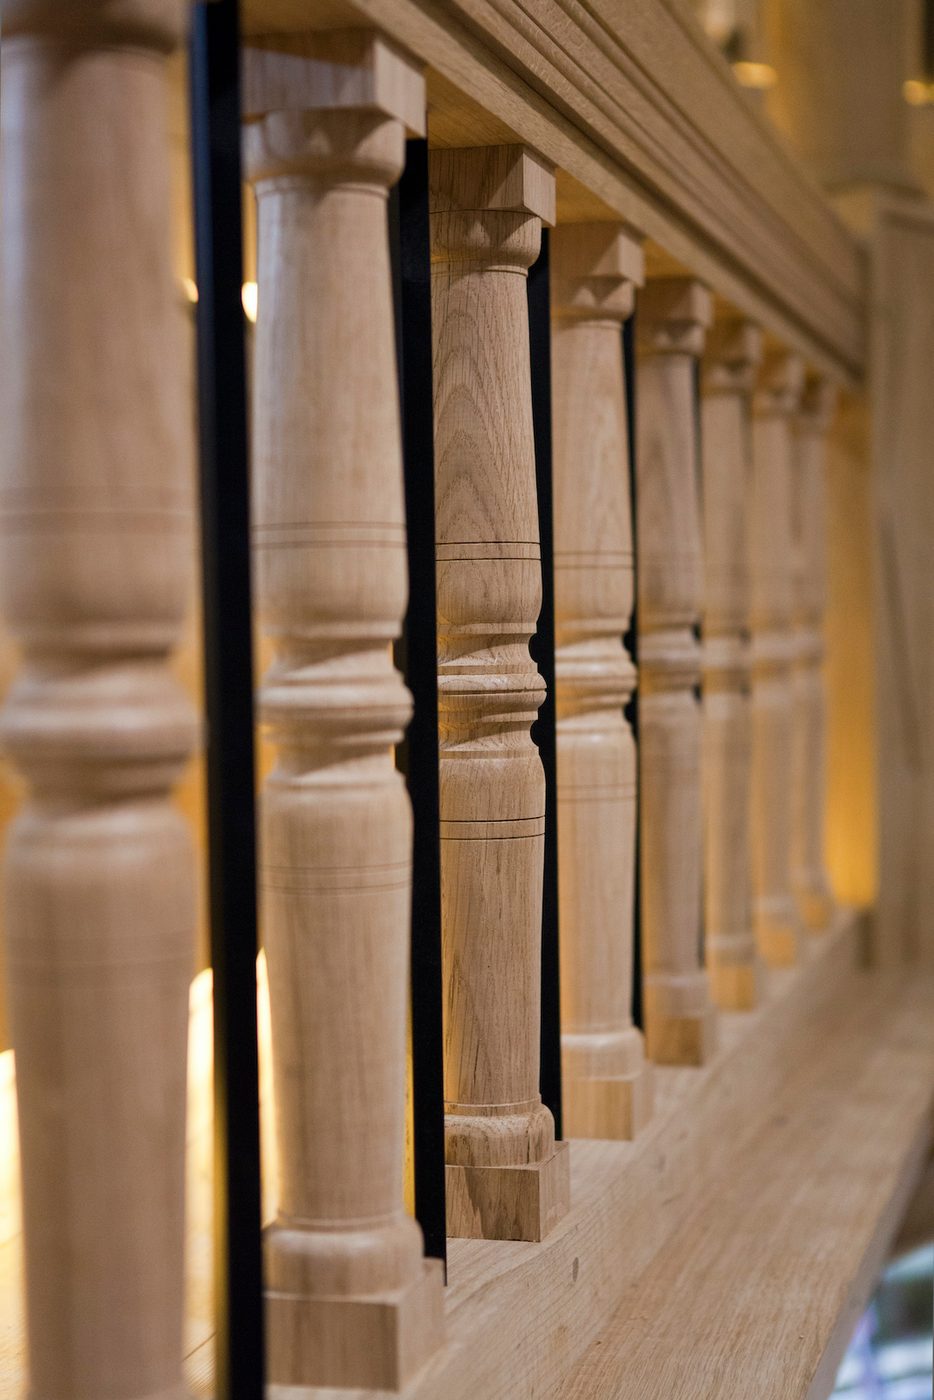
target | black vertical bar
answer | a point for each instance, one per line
(927, 46)
(544, 730)
(417, 657)
(228, 692)
(632, 646)
(698, 630)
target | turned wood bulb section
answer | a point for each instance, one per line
(672, 319)
(350, 1300)
(95, 569)
(606, 1080)
(775, 405)
(808, 868)
(506, 1178)
(731, 360)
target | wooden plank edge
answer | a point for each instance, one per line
(758, 1290)
(493, 103)
(520, 1316)
(913, 1167)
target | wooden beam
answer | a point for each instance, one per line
(645, 123)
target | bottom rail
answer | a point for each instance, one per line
(726, 1253)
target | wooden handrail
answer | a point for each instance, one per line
(645, 123)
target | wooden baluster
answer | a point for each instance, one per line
(607, 1082)
(680, 1022)
(350, 1299)
(95, 568)
(506, 1176)
(733, 353)
(808, 869)
(774, 406)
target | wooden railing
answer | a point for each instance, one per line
(703, 958)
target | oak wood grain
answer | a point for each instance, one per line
(95, 570)
(487, 207)
(645, 122)
(349, 1298)
(672, 318)
(810, 881)
(775, 404)
(733, 352)
(606, 1079)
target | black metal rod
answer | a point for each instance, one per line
(544, 730)
(631, 641)
(418, 658)
(699, 637)
(927, 47)
(228, 693)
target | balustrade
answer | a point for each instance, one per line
(672, 319)
(506, 1176)
(713, 780)
(607, 1081)
(350, 1300)
(774, 407)
(95, 567)
(734, 350)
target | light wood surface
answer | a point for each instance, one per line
(95, 567)
(645, 122)
(506, 1178)
(672, 316)
(733, 354)
(350, 1300)
(633, 1200)
(809, 877)
(759, 1292)
(606, 1080)
(775, 405)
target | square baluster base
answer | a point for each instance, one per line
(608, 1108)
(509, 1203)
(737, 986)
(375, 1342)
(780, 946)
(681, 1040)
(815, 908)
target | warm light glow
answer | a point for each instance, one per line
(250, 298)
(9, 1152)
(190, 288)
(918, 93)
(200, 1124)
(755, 75)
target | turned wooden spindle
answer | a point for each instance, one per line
(732, 356)
(775, 404)
(95, 567)
(808, 868)
(680, 1022)
(350, 1300)
(506, 1176)
(607, 1087)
